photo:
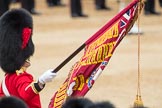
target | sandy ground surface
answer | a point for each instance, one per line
(57, 35)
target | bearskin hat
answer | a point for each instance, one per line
(77, 102)
(16, 44)
(12, 102)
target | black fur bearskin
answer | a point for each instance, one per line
(12, 56)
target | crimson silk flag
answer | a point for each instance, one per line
(98, 51)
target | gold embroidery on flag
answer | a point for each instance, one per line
(60, 95)
(79, 80)
(100, 49)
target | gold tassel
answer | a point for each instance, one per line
(138, 102)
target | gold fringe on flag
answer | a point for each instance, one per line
(138, 102)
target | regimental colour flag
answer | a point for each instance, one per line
(98, 51)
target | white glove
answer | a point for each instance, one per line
(47, 76)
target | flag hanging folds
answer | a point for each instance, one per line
(98, 51)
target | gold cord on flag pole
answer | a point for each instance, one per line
(138, 101)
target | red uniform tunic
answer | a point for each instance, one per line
(22, 86)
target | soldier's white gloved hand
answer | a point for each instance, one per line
(47, 76)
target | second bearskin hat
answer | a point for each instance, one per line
(16, 45)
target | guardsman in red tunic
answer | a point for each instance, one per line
(149, 8)
(101, 5)
(76, 9)
(16, 47)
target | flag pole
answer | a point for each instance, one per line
(69, 58)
